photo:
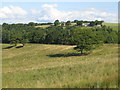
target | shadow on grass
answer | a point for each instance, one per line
(66, 55)
(8, 47)
(19, 46)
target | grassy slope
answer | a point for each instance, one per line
(32, 67)
(112, 25)
(43, 26)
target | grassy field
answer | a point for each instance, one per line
(72, 24)
(43, 26)
(51, 66)
(114, 26)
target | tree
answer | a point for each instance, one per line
(56, 23)
(62, 24)
(37, 36)
(75, 21)
(70, 35)
(31, 24)
(79, 23)
(24, 41)
(24, 38)
(82, 47)
(85, 39)
(100, 22)
(92, 23)
(68, 23)
(14, 40)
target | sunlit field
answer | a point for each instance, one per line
(114, 26)
(51, 66)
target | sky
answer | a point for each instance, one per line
(25, 12)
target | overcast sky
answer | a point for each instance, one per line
(24, 12)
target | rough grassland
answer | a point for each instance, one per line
(43, 26)
(51, 66)
(114, 26)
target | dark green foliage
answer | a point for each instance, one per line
(79, 23)
(14, 39)
(24, 41)
(92, 23)
(98, 22)
(31, 24)
(75, 21)
(85, 39)
(37, 36)
(56, 23)
(62, 24)
(70, 35)
(68, 23)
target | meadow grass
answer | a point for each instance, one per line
(72, 24)
(59, 66)
(43, 26)
(114, 26)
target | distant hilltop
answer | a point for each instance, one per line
(67, 23)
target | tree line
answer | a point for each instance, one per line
(86, 38)
(78, 23)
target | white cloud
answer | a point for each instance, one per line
(12, 12)
(50, 12)
(33, 11)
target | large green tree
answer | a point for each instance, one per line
(68, 23)
(79, 23)
(56, 23)
(85, 39)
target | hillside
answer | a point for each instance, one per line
(45, 66)
(114, 26)
(45, 26)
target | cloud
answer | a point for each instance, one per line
(12, 12)
(50, 12)
(33, 11)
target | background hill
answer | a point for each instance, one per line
(114, 26)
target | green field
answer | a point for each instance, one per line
(114, 26)
(72, 24)
(51, 66)
(43, 26)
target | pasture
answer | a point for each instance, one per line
(114, 26)
(43, 26)
(59, 66)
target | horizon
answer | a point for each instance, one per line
(49, 22)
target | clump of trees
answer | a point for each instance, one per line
(68, 23)
(79, 23)
(56, 23)
(85, 38)
(96, 22)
